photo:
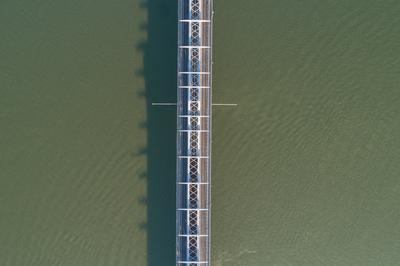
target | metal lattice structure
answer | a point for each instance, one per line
(194, 132)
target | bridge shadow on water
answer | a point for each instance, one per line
(159, 71)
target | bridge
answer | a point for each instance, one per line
(193, 199)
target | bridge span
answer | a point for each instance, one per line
(193, 199)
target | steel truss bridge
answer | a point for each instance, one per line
(194, 132)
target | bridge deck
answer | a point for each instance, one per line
(194, 132)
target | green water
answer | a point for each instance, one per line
(305, 169)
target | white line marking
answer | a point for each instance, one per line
(192, 262)
(188, 157)
(204, 73)
(193, 183)
(193, 116)
(193, 130)
(194, 46)
(189, 209)
(195, 20)
(214, 104)
(193, 235)
(225, 104)
(199, 87)
(163, 104)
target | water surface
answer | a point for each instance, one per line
(305, 169)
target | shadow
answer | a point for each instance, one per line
(160, 86)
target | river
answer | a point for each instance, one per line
(305, 168)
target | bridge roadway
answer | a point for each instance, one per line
(193, 199)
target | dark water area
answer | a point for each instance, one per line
(159, 72)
